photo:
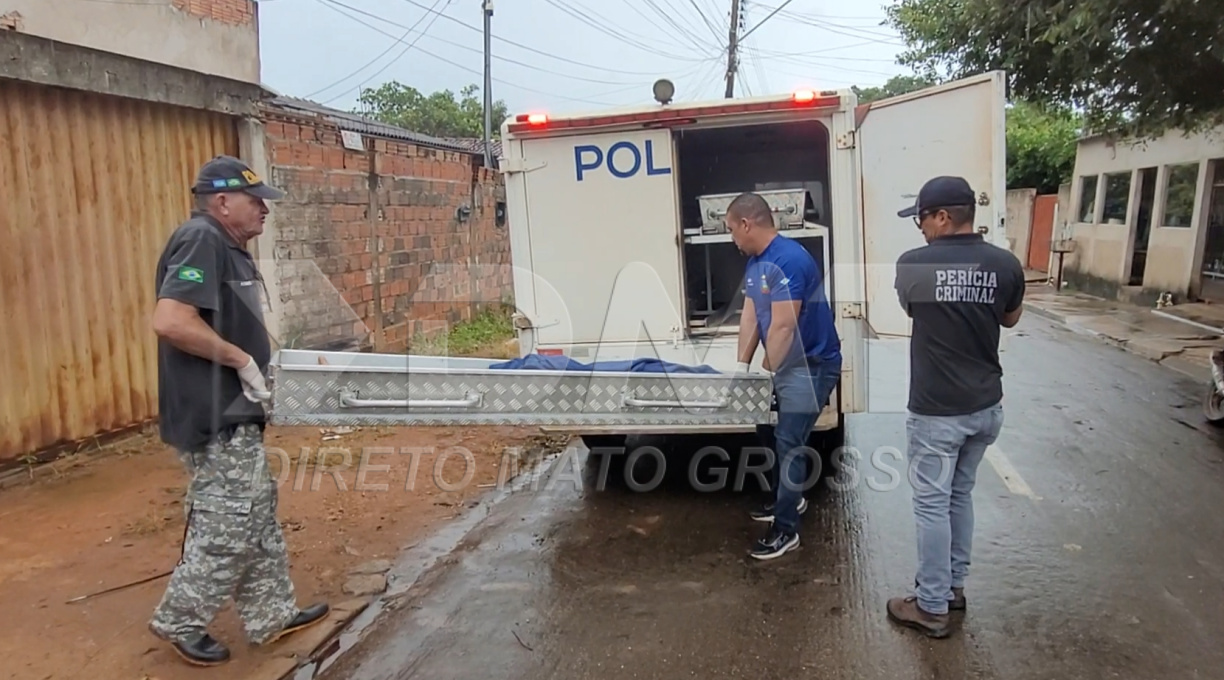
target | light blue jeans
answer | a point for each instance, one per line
(944, 454)
(802, 392)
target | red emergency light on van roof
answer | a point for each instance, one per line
(807, 99)
(532, 118)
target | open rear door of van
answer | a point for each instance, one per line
(956, 128)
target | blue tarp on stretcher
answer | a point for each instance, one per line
(538, 362)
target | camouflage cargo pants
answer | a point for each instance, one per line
(233, 545)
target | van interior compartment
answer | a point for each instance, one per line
(788, 163)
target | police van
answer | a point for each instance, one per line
(620, 255)
(616, 235)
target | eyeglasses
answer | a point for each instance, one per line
(923, 214)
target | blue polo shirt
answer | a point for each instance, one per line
(786, 271)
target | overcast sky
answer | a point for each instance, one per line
(570, 55)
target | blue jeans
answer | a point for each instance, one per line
(944, 454)
(802, 392)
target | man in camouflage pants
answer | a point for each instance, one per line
(212, 350)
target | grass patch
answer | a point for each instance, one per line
(486, 334)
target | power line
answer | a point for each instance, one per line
(876, 18)
(469, 48)
(534, 50)
(767, 18)
(375, 59)
(795, 56)
(496, 80)
(680, 29)
(399, 56)
(712, 72)
(714, 30)
(759, 64)
(841, 29)
(831, 67)
(606, 29)
(826, 50)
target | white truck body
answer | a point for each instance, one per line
(596, 206)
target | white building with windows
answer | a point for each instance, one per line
(1147, 217)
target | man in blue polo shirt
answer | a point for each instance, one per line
(786, 310)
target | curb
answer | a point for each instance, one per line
(1038, 310)
(1174, 363)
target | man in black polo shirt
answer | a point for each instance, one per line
(959, 290)
(212, 351)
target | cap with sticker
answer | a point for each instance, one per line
(226, 173)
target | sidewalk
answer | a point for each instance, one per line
(1180, 337)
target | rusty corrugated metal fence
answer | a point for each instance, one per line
(90, 187)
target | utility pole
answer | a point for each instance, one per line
(488, 83)
(735, 39)
(733, 48)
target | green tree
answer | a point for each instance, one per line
(895, 86)
(1041, 144)
(1137, 67)
(441, 114)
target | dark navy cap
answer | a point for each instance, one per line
(226, 173)
(941, 192)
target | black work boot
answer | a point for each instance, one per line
(202, 651)
(305, 618)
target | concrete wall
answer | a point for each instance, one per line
(1019, 221)
(436, 268)
(1104, 245)
(216, 37)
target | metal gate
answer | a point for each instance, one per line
(92, 185)
(1042, 235)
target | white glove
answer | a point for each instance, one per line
(742, 368)
(253, 385)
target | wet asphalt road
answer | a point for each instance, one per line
(1097, 555)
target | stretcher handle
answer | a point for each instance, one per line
(629, 400)
(349, 399)
(262, 396)
(713, 213)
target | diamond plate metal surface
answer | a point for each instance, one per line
(787, 204)
(312, 397)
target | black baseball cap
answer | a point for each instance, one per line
(226, 173)
(941, 192)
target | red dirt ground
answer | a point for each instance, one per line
(117, 517)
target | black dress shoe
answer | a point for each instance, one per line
(305, 618)
(202, 651)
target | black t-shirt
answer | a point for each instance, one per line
(199, 399)
(957, 289)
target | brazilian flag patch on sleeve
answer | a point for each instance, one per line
(191, 274)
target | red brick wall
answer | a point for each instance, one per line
(239, 12)
(436, 269)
